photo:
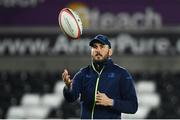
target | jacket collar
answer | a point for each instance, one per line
(108, 62)
(105, 64)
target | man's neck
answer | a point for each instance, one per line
(99, 65)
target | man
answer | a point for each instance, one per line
(106, 90)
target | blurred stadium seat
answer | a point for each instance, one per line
(39, 95)
(16, 112)
(30, 100)
(51, 100)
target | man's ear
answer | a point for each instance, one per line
(110, 52)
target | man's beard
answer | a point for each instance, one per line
(101, 60)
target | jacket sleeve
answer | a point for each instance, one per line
(72, 94)
(128, 103)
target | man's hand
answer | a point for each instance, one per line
(66, 78)
(103, 99)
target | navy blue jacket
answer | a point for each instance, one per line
(114, 81)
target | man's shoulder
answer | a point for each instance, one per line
(119, 68)
(84, 69)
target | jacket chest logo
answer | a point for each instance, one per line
(110, 75)
(88, 76)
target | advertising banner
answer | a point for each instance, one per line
(58, 44)
(101, 14)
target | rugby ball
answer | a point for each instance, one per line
(70, 23)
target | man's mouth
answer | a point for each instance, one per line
(98, 55)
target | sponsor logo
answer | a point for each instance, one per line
(121, 44)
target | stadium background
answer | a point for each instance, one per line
(145, 36)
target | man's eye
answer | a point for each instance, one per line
(102, 46)
(94, 46)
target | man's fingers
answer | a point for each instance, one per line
(63, 75)
(98, 97)
(99, 93)
(65, 71)
(67, 77)
(98, 103)
(97, 100)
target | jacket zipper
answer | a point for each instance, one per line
(96, 88)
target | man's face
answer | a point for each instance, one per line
(100, 52)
